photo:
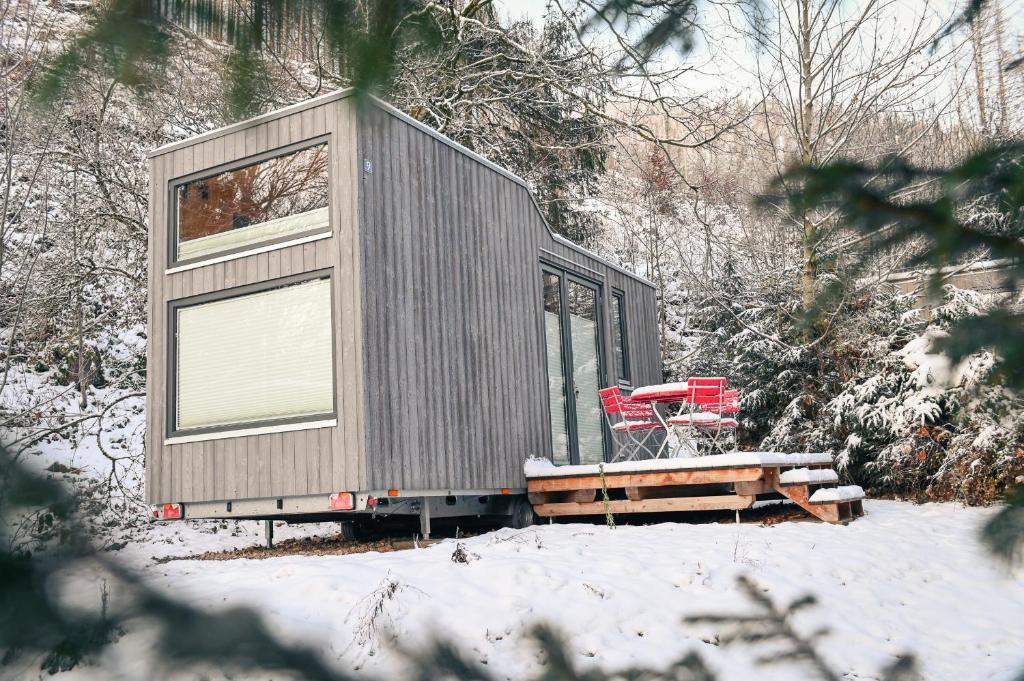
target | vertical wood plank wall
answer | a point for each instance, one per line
(453, 331)
(292, 463)
(439, 346)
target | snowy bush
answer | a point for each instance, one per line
(899, 417)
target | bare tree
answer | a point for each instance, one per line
(826, 69)
(978, 54)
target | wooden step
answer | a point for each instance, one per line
(808, 476)
(842, 507)
(834, 495)
(840, 511)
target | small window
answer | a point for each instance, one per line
(267, 201)
(619, 337)
(260, 357)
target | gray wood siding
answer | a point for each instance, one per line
(439, 343)
(298, 462)
(454, 354)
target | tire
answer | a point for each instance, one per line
(350, 530)
(521, 514)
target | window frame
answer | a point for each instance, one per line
(567, 273)
(172, 261)
(625, 380)
(171, 431)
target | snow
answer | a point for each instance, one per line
(845, 493)
(696, 417)
(902, 578)
(652, 391)
(928, 368)
(88, 446)
(543, 468)
(631, 425)
(799, 476)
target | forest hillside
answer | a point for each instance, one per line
(651, 167)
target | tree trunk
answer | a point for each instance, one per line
(977, 43)
(1001, 60)
(810, 264)
(83, 386)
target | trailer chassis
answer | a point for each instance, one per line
(509, 503)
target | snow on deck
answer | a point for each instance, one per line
(807, 476)
(830, 494)
(905, 577)
(543, 468)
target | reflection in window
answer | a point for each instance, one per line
(619, 338)
(556, 373)
(264, 201)
(586, 371)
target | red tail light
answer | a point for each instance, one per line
(342, 501)
(167, 512)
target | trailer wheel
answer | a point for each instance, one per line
(350, 531)
(521, 514)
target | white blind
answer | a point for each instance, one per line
(257, 357)
(251, 234)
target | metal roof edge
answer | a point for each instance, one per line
(604, 261)
(441, 137)
(255, 120)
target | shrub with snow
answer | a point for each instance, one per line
(900, 418)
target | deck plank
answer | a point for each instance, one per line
(702, 476)
(714, 503)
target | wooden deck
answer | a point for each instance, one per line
(707, 488)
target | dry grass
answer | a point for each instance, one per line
(309, 546)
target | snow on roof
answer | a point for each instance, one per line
(831, 494)
(543, 468)
(803, 476)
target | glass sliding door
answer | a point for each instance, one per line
(586, 370)
(556, 368)
(575, 361)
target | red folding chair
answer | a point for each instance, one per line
(710, 414)
(633, 424)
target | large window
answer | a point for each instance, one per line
(556, 367)
(585, 342)
(256, 358)
(575, 360)
(270, 200)
(619, 337)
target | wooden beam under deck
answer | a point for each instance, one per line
(575, 495)
(648, 479)
(715, 503)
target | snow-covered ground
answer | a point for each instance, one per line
(111, 426)
(904, 578)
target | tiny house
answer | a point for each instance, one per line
(350, 313)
